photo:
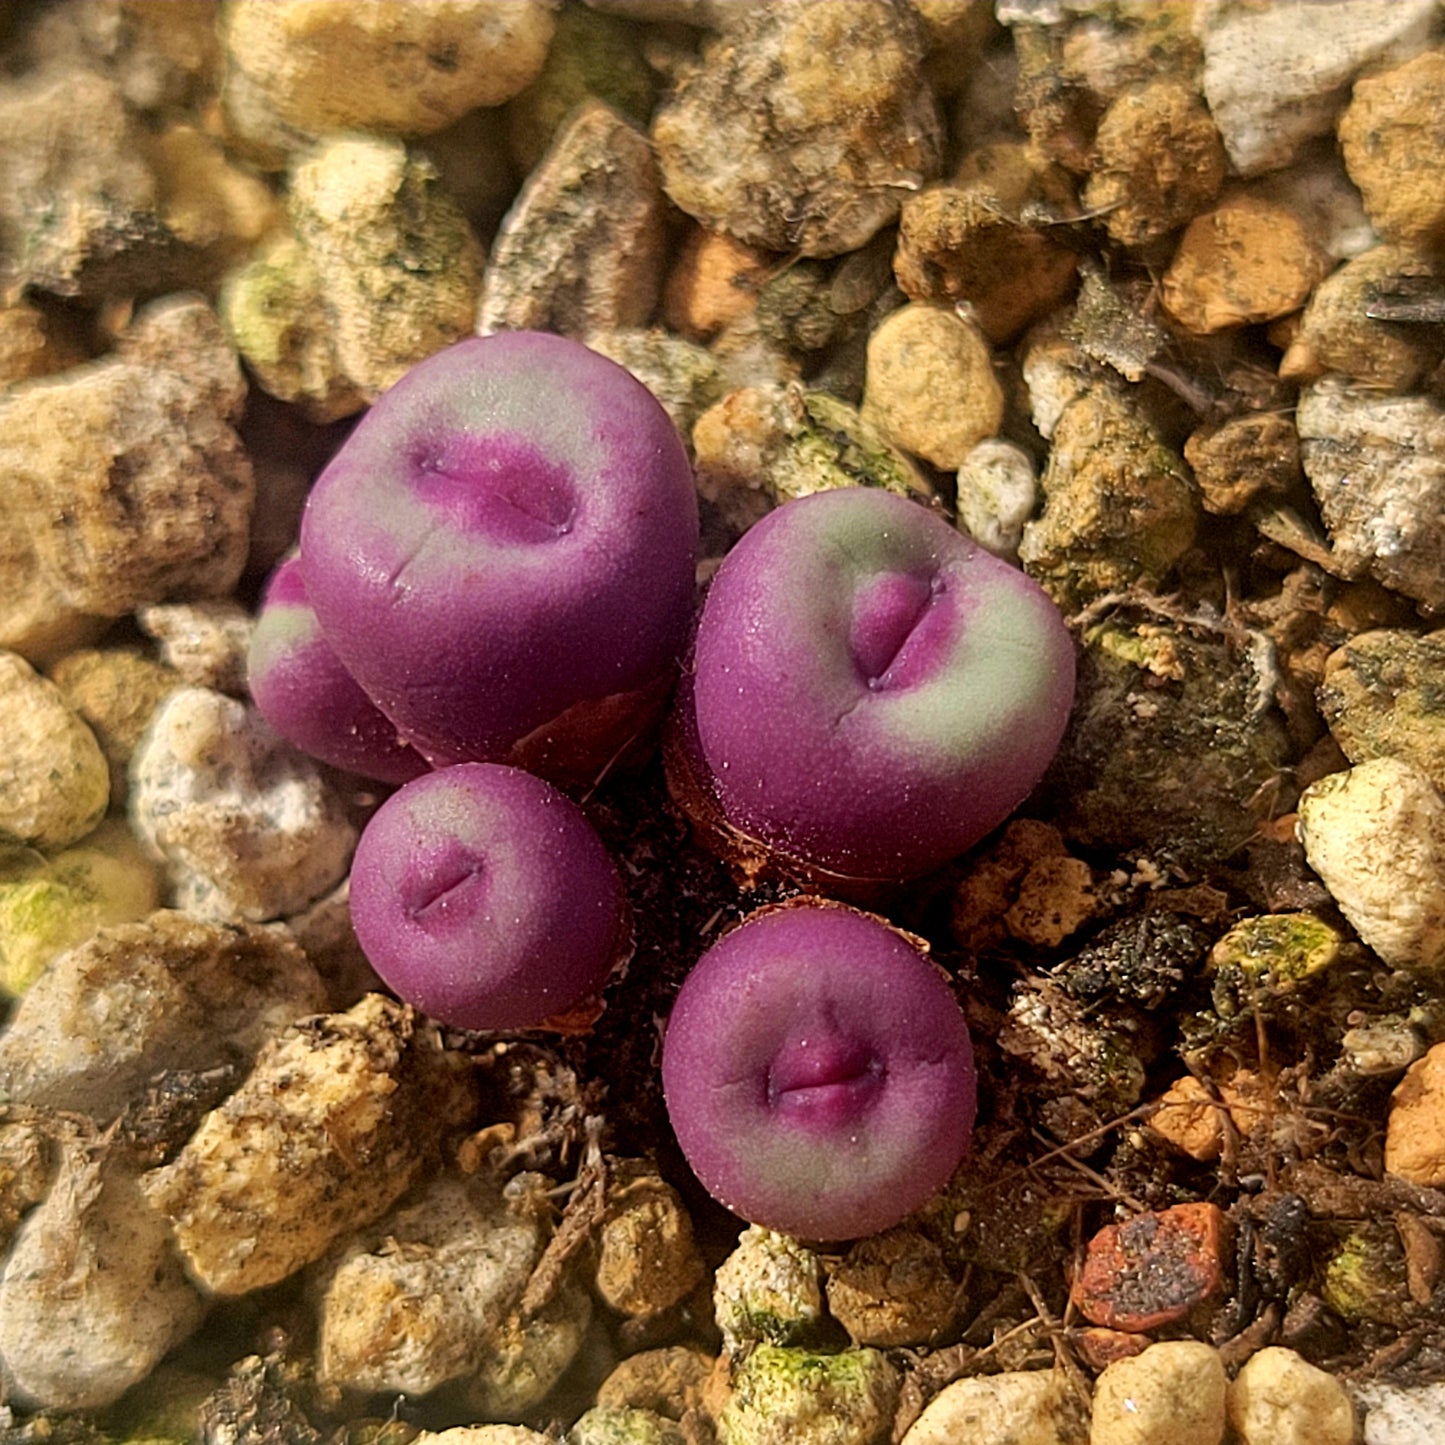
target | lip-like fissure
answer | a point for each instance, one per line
(888, 610)
(503, 491)
(828, 1081)
(435, 890)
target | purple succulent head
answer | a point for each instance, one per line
(502, 553)
(483, 896)
(818, 1073)
(871, 692)
(305, 693)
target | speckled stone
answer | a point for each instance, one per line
(54, 783)
(1160, 162)
(1390, 135)
(803, 127)
(1383, 695)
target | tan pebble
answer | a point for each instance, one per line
(115, 691)
(892, 1289)
(31, 344)
(804, 126)
(1119, 509)
(138, 457)
(1390, 136)
(1056, 898)
(338, 1117)
(137, 999)
(582, 247)
(1022, 1407)
(646, 1258)
(1375, 834)
(1379, 695)
(77, 194)
(1278, 1398)
(94, 1263)
(54, 782)
(1099, 1347)
(1244, 458)
(411, 1303)
(982, 240)
(1246, 261)
(1415, 1130)
(713, 282)
(986, 892)
(397, 267)
(931, 384)
(36, 619)
(1160, 162)
(669, 1381)
(1171, 1394)
(329, 65)
(1335, 334)
(1192, 1119)
(209, 203)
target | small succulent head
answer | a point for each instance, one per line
(483, 896)
(818, 1072)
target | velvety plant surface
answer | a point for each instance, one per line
(483, 896)
(818, 1072)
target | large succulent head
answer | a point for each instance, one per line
(871, 692)
(502, 553)
(818, 1073)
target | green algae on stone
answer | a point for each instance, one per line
(761, 446)
(1263, 957)
(614, 1425)
(833, 446)
(767, 1291)
(1120, 509)
(271, 308)
(683, 376)
(529, 1353)
(786, 1396)
(1364, 1280)
(1175, 745)
(49, 906)
(592, 56)
(1383, 695)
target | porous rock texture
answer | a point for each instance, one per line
(812, 167)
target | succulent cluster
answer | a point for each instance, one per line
(493, 600)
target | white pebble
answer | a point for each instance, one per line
(998, 490)
(1278, 1398)
(1403, 1415)
(1375, 834)
(1022, 1407)
(248, 826)
(1171, 1394)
